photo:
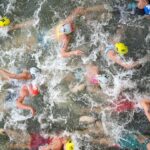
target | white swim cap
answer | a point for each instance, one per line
(34, 72)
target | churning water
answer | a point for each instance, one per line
(58, 108)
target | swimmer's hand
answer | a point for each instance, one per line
(78, 53)
(33, 111)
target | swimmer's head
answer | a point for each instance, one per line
(69, 145)
(67, 28)
(34, 89)
(4, 22)
(121, 48)
(34, 72)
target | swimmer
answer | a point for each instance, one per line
(59, 143)
(143, 7)
(89, 78)
(29, 89)
(140, 7)
(96, 80)
(127, 105)
(91, 74)
(115, 50)
(34, 140)
(133, 141)
(6, 22)
(66, 27)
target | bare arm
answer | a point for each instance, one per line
(115, 58)
(21, 105)
(145, 103)
(25, 24)
(80, 11)
(64, 49)
(21, 76)
(24, 92)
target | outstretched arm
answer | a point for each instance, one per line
(80, 11)
(145, 103)
(25, 24)
(22, 76)
(115, 58)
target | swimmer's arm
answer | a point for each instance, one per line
(115, 58)
(20, 105)
(65, 53)
(21, 76)
(74, 14)
(144, 103)
(80, 11)
(22, 25)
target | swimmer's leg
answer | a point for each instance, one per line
(9, 75)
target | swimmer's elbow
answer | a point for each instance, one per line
(19, 101)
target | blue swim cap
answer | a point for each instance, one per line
(147, 9)
(66, 28)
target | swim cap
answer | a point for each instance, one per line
(103, 79)
(33, 89)
(69, 145)
(34, 72)
(147, 9)
(121, 48)
(66, 28)
(4, 22)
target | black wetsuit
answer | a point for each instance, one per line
(140, 12)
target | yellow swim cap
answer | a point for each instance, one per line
(121, 48)
(70, 145)
(4, 22)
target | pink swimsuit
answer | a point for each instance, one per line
(37, 141)
(94, 80)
